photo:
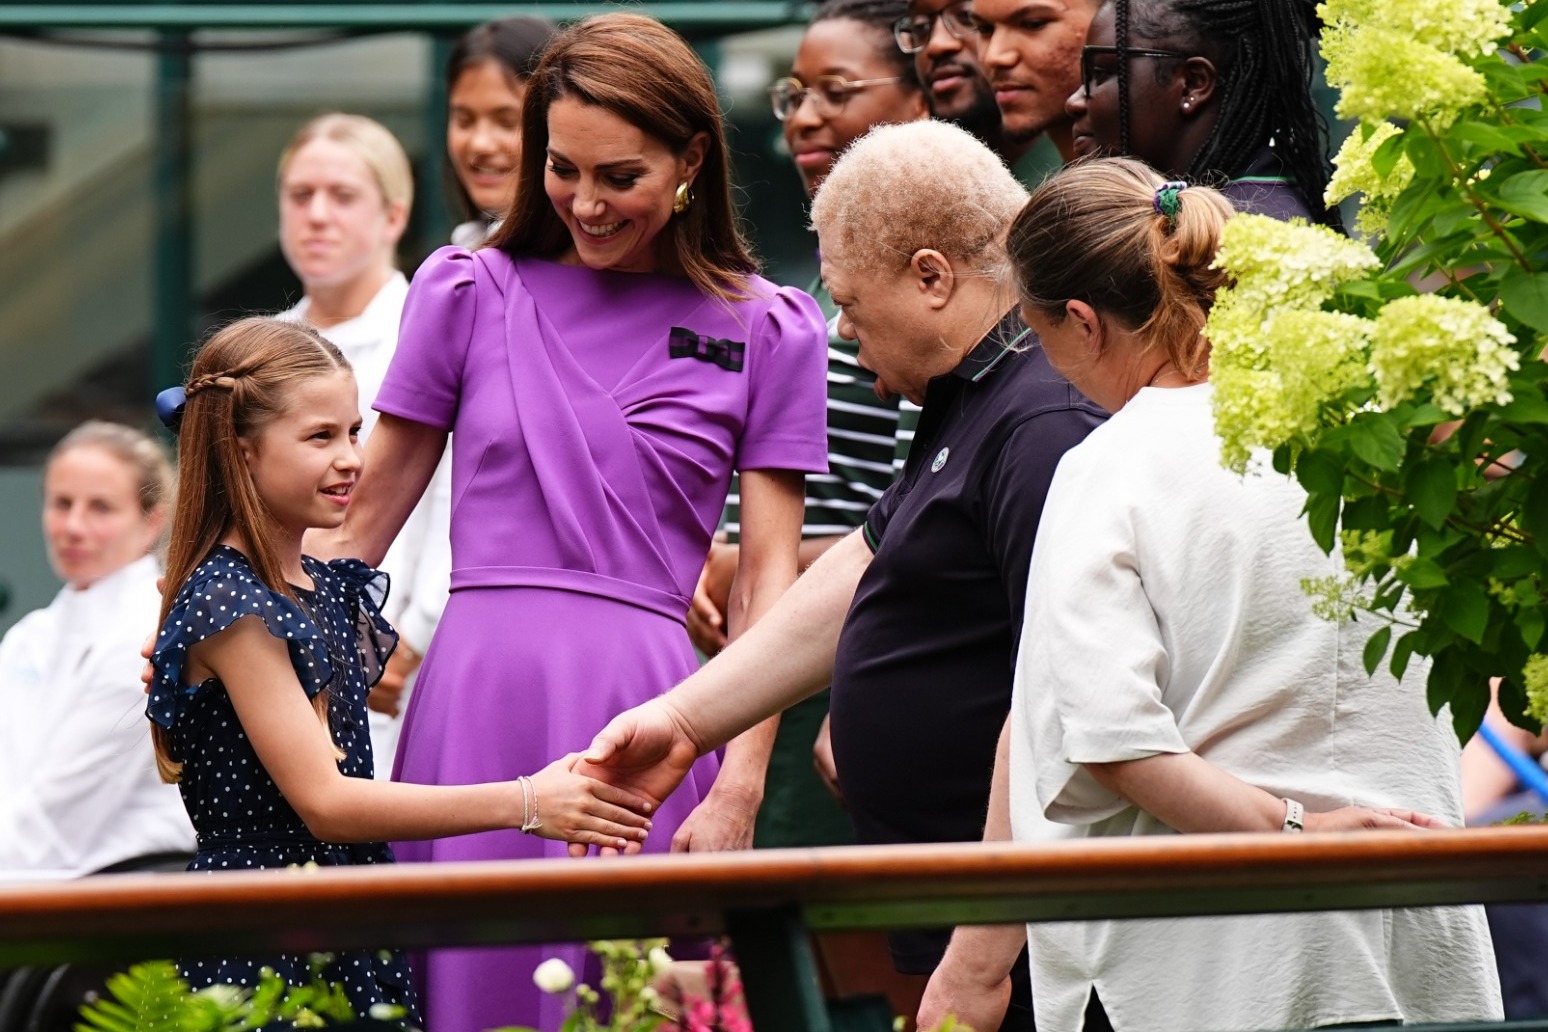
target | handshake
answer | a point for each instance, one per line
(604, 796)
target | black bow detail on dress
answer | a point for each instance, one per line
(727, 354)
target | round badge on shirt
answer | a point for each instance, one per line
(940, 460)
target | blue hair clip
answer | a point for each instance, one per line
(169, 407)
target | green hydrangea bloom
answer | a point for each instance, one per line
(1354, 173)
(1453, 26)
(1272, 387)
(1277, 264)
(1384, 73)
(1455, 348)
(1535, 675)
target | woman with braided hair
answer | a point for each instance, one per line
(1214, 91)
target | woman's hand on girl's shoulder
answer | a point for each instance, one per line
(583, 811)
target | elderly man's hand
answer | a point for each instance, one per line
(647, 750)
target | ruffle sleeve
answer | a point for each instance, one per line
(221, 591)
(364, 589)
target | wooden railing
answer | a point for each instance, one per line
(765, 900)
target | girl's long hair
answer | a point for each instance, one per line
(241, 379)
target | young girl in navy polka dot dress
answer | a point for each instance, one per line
(264, 658)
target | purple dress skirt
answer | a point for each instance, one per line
(596, 419)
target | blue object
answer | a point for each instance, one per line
(1526, 769)
(169, 407)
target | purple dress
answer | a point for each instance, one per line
(596, 419)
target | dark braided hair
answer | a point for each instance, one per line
(880, 15)
(1262, 51)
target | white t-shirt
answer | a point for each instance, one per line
(419, 561)
(1165, 614)
(78, 784)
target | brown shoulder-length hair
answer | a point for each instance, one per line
(241, 379)
(644, 73)
(1093, 233)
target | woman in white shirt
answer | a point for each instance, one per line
(78, 783)
(345, 191)
(1172, 676)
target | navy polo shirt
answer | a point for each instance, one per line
(922, 678)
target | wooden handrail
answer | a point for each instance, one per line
(132, 916)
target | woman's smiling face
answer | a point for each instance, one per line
(613, 185)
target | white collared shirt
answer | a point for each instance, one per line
(78, 784)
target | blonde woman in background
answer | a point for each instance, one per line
(345, 192)
(78, 784)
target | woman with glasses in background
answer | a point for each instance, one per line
(1212, 91)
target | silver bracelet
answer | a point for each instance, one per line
(530, 821)
(1295, 817)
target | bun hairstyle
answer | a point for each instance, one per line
(643, 72)
(1096, 232)
(241, 379)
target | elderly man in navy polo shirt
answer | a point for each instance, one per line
(910, 222)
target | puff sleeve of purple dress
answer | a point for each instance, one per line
(596, 419)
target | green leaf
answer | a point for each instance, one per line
(1530, 624)
(1513, 562)
(1426, 156)
(1525, 194)
(1469, 703)
(1423, 573)
(1429, 414)
(1525, 295)
(1320, 473)
(1386, 157)
(1533, 514)
(1484, 136)
(1465, 609)
(1526, 407)
(1322, 518)
(1376, 440)
(1432, 488)
(1402, 652)
(1376, 648)
(1513, 701)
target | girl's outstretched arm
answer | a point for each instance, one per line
(298, 754)
(400, 458)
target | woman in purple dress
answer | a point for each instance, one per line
(603, 365)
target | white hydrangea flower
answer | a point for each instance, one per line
(1382, 73)
(1455, 26)
(1354, 173)
(1455, 348)
(553, 976)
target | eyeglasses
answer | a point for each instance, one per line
(1091, 75)
(912, 31)
(831, 93)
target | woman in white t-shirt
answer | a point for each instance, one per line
(345, 191)
(1172, 676)
(78, 784)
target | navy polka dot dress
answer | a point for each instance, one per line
(338, 641)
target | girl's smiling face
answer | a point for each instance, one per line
(305, 461)
(613, 185)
